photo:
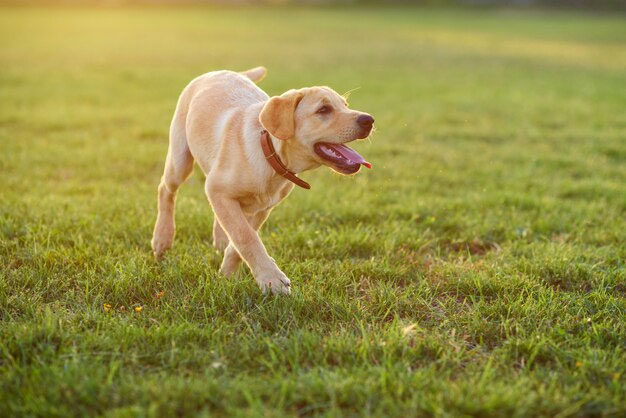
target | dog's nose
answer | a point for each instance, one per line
(365, 120)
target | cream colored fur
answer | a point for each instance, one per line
(218, 123)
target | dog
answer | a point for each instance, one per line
(250, 148)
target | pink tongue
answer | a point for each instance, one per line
(348, 153)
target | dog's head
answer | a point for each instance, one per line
(320, 122)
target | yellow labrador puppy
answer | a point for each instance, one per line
(250, 147)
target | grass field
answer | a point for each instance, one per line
(478, 269)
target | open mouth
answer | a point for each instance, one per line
(344, 159)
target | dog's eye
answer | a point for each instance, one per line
(324, 109)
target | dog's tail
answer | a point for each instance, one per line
(255, 74)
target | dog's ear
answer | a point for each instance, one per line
(277, 116)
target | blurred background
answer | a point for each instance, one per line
(590, 4)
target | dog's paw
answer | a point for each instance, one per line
(276, 282)
(160, 244)
(159, 249)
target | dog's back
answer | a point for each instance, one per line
(211, 103)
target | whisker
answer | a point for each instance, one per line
(346, 95)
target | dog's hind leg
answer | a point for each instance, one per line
(178, 167)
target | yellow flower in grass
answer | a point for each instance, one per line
(107, 307)
(138, 309)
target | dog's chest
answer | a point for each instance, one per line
(259, 202)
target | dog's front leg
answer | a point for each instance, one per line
(220, 239)
(246, 241)
(232, 259)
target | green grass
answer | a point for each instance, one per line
(478, 269)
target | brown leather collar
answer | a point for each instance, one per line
(272, 157)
